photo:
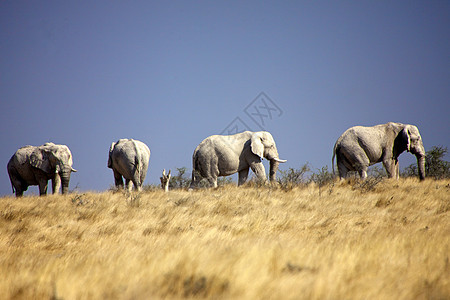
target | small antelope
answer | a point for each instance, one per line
(165, 180)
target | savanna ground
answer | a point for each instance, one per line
(345, 240)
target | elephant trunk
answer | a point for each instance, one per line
(421, 165)
(65, 178)
(274, 164)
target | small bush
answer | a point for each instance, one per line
(293, 177)
(367, 185)
(181, 180)
(322, 177)
(304, 175)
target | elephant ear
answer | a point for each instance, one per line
(406, 138)
(39, 159)
(256, 145)
(109, 156)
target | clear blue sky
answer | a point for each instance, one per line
(171, 73)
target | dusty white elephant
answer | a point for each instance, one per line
(129, 159)
(224, 155)
(36, 165)
(359, 147)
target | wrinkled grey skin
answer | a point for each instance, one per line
(224, 155)
(129, 159)
(359, 147)
(36, 165)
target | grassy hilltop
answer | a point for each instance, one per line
(385, 240)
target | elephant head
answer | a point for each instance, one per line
(409, 139)
(56, 162)
(412, 142)
(263, 145)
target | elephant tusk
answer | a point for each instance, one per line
(73, 170)
(280, 160)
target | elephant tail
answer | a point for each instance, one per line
(10, 175)
(332, 159)
(195, 169)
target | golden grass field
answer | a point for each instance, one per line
(345, 241)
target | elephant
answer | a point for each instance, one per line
(129, 159)
(224, 155)
(359, 147)
(35, 165)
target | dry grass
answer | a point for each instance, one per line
(388, 240)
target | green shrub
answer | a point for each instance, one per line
(293, 177)
(181, 180)
(322, 177)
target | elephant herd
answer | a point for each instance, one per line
(219, 155)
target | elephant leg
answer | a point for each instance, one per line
(43, 183)
(143, 174)
(344, 163)
(212, 181)
(137, 187)
(258, 169)
(194, 179)
(118, 180)
(363, 172)
(19, 193)
(243, 175)
(18, 185)
(56, 184)
(213, 172)
(141, 181)
(137, 184)
(342, 169)
(390, 167)
(356, 160)
(397, 170)
(128, 185)
(20, 188)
